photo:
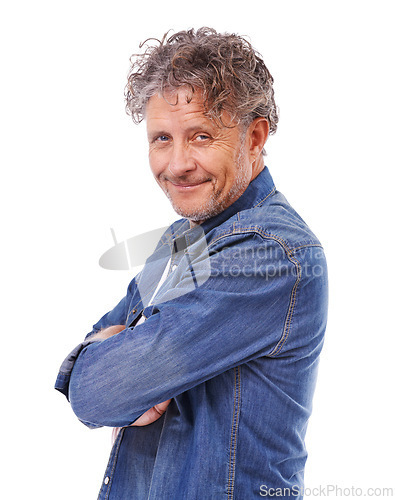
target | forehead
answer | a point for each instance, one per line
(186, 109)
(181, 104)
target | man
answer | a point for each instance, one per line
(207, 366)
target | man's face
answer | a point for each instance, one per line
(201, 167)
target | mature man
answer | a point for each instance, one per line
(207, 366)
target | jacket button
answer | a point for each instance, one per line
(134, 311)
(107, 480)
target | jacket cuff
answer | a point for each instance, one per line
(63, 378)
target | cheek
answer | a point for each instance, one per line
(223, 165)
(156, 163)
(214, 161)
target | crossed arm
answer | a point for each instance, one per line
(187, 339)
(157, 410)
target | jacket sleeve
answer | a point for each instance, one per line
(242, 311)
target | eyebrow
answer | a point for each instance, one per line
(192, 128)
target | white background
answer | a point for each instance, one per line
(73, 165)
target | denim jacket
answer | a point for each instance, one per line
(233, 337)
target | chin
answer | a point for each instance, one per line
(198, 213)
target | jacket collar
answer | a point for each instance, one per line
(182, 235)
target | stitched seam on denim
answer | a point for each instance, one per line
(307, 245)
(256, 231)
(165, 418)
(233, 437)
(113, 458)
(288, 319)
(224, 235)
(266, 197)
(287, 326)
(291, 307)
(262, 233)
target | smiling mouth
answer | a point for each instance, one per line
(187, 186)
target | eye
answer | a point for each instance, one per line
(202, 137)
(162, 138)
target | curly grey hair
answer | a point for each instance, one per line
(225, 67)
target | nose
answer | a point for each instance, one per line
(181, 161)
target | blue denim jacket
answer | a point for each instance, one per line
(232, 337)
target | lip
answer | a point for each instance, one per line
(187, 187)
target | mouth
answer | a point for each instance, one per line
(187, 186)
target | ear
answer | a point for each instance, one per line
(257, 135)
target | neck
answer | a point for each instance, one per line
(257, 167)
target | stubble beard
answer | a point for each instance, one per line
(212, 207)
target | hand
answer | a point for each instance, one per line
(146, 418)
(107, 332)
(152, 414)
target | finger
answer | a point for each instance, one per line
(152, 414)
(161, 407)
